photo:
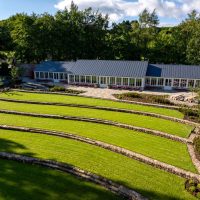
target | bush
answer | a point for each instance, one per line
(198, 195)
(192, 189)
(57, 89)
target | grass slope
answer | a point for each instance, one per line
(149, 181)
(89, 101)
(167, 126)
(159, 148)
(16, 182)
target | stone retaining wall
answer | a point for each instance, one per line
(191, 149)
(82, 95)
(105, 108)
(100, 121)
(108, 184)
(116, 149)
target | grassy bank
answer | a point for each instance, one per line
(151, 182)
(154, 123)
(159, 148)
(21, 182)
(89, 101)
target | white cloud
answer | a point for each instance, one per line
(118, 9)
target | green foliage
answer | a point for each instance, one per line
(63, 89)
(85, 34)
(57, 89)
(144, 98)
(16, 74)
(192, 189)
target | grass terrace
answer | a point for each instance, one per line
(89, 101)
(163, 125)
(16, 182)
(149, 181)
(159, 148)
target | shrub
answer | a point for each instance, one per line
(198, 195)
(57, 89)
(192, 189)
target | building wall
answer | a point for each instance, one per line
(125, 82)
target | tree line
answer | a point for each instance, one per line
(74, 34)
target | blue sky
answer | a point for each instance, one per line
(169, 11)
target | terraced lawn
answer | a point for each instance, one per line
(149, 181)
(167, 126)
(21, 182)
(159, 148)
(89, 101)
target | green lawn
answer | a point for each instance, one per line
(89, 101)
(167, 126)
(25, 182)
(159, 148)
(149, 181)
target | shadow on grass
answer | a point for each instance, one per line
(22, 181)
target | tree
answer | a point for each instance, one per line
(16, 73)
(193, 48)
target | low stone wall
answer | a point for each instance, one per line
(105, 108)
(116, 149)
(106, 183)
(100, 121)
(82, 95)
(191, 150)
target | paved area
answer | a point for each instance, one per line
(108, 93)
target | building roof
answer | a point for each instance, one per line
(110, 68)
(174, 71)
(54, 66)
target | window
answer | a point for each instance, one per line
(46, 75)
(94, 79)
(77, 78)
(55, 75)
(168, 82)
(125, 81)
(197, 83)
(82, 79)
(183, 82)
(41, 74)
(66, 76)
(160, 81)
(61, 76)
(132, 82)
(191, 83)
(176, 82)
(51, 75)
(36, 74)
(103, 80)
(138, 82)
(88, 79)
(119, 81)
(112, 81)
(153, 81)
(71, 78)
(147, 82)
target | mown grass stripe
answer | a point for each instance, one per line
(89, 101)
(162, 149)
(162, 125)
(22, 181)
(116, 149)
(150, 182)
